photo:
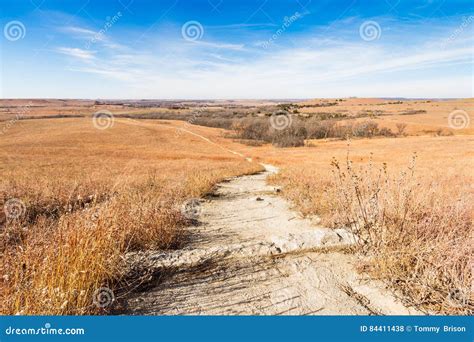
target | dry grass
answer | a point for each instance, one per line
(418, 239)
(90, 196)
(415, 222)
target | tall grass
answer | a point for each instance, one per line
(416, 230)
(60, 263)
(54, 265)
(419, 232)
(85, 209)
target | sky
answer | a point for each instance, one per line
(236, 49)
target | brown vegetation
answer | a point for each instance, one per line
(414, 222)
(417, 238)
(89, 196)
(299, 130)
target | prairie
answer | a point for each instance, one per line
(409, 199)
(423, 117)
(86, 196)
(80, 197)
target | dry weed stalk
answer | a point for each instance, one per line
(420, 241)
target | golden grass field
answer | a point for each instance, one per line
(91, 195)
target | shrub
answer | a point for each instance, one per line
(300, 129)
(441, 132)
(260, 129)
(317, 129)
(214, 122)
(386, 132)
(366, 129)
(287, 139)
(401, 128)
(342, 131)
(252, 128)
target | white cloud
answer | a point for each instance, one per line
(307, 66)
(80, 31)
(85, 55)
(218, 45)
(91, 37)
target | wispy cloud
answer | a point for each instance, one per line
(241, 25)
(85, 55)
(310, 64)
(113, 73)
(220, 45)
(89, 36)
(79, 31)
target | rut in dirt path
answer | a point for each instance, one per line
(251, 254)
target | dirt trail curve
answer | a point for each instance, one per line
(250, 254)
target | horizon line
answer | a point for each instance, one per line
(235, 99)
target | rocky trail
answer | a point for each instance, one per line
(250, 254)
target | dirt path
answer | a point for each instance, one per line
(251, 254)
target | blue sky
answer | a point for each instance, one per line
(215, 49)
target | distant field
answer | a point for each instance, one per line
(423, 117)
(9, 109)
